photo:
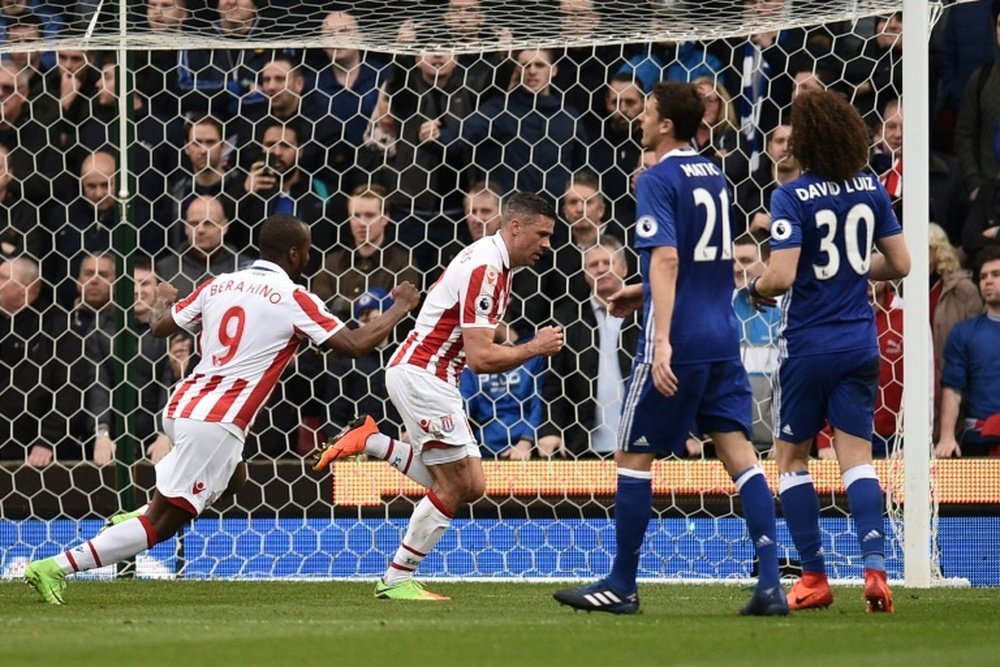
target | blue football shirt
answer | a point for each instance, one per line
(835, 226)
(683, 202)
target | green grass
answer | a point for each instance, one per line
(195, 624)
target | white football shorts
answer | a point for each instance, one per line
(433, 413)
(198, 468)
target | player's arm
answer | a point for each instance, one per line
(484, 355)
(364, 339)
(663, 265)
(892, 260)
(161, 320)
(779, 276)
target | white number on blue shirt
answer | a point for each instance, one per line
(859, 258)
(704, 251)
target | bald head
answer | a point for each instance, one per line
(19, 284)
(97, 180)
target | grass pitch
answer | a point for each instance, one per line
(331, 623)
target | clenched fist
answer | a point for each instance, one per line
(548, 341)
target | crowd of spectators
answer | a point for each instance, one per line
(398, 161)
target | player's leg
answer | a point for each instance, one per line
(799, 406)
(650, 423)
(193, 474)
(851, 413)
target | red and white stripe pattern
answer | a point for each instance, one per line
(251, 324)
(472, 292)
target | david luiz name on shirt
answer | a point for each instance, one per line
(268, 292)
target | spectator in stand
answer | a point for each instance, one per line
(529, 140)
(154, 371)
(347, 92)
(69, 92)
(718, 136)
(19, 228)
(354, 387)
(427, 191)
(206, 172)
(25, 347)
(215, 80)
(157, 72)
(758, 335)
(672, 61)
(753, 196)
(948, 202)
(207, 254)
(972, 373)
(277, 184)
(810, 76)
(505, 408)
(85, 226)
(983, 223)
(889, 327)
(466, 21)
(584, 384)
(978, 125)
(482, 218)
(616, 146)
(282, 83)
(969, 40)
(27, 28)
(71, 429)
(14, 13)
(877, 74)
(373, 261)
(32, 158)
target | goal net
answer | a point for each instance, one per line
(148, 143)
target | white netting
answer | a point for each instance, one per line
(228, 127)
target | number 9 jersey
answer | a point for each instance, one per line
(251, 323)
(834, 224)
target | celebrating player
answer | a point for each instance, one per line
(687, 369)
(251, 324)
(824, 225)
(455, 327)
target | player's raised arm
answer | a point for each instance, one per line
(356, 342)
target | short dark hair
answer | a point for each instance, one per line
(995, 11)
(292, 125)
(755, 239)
(587, 178)
(374, 190)
(990, 253)
(293, 67)
(28, 19)
(278, 234)
(527, 204)
(142, 262)
(205, 119)
(681, 103)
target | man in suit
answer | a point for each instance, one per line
(584, 407)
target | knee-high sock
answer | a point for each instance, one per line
(430, 519)
(864, 496)
(758, 511)
(633, 505)
(115, 544)
(800, 505)
(399, 455)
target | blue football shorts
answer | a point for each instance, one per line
(714, 396)
(839, 386)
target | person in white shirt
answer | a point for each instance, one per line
(250, 324)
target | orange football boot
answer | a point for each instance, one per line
(878, 595)
(349, 442)
(811, 591)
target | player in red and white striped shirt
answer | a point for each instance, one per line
(250, 324)
(455, 328)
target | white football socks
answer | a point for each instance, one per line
(429, 521)
(113, 545)
(399, 455)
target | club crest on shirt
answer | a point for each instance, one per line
(484, 304)
(646, 226)
(491, 276)
(447, 424)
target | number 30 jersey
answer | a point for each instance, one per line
(251, 323)
(835, 226)
(683, 202)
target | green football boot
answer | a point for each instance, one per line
(407, 590)
(47, 578)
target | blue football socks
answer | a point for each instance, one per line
(800, 505)
(758, 510)
(633, 506)
(864, 496)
